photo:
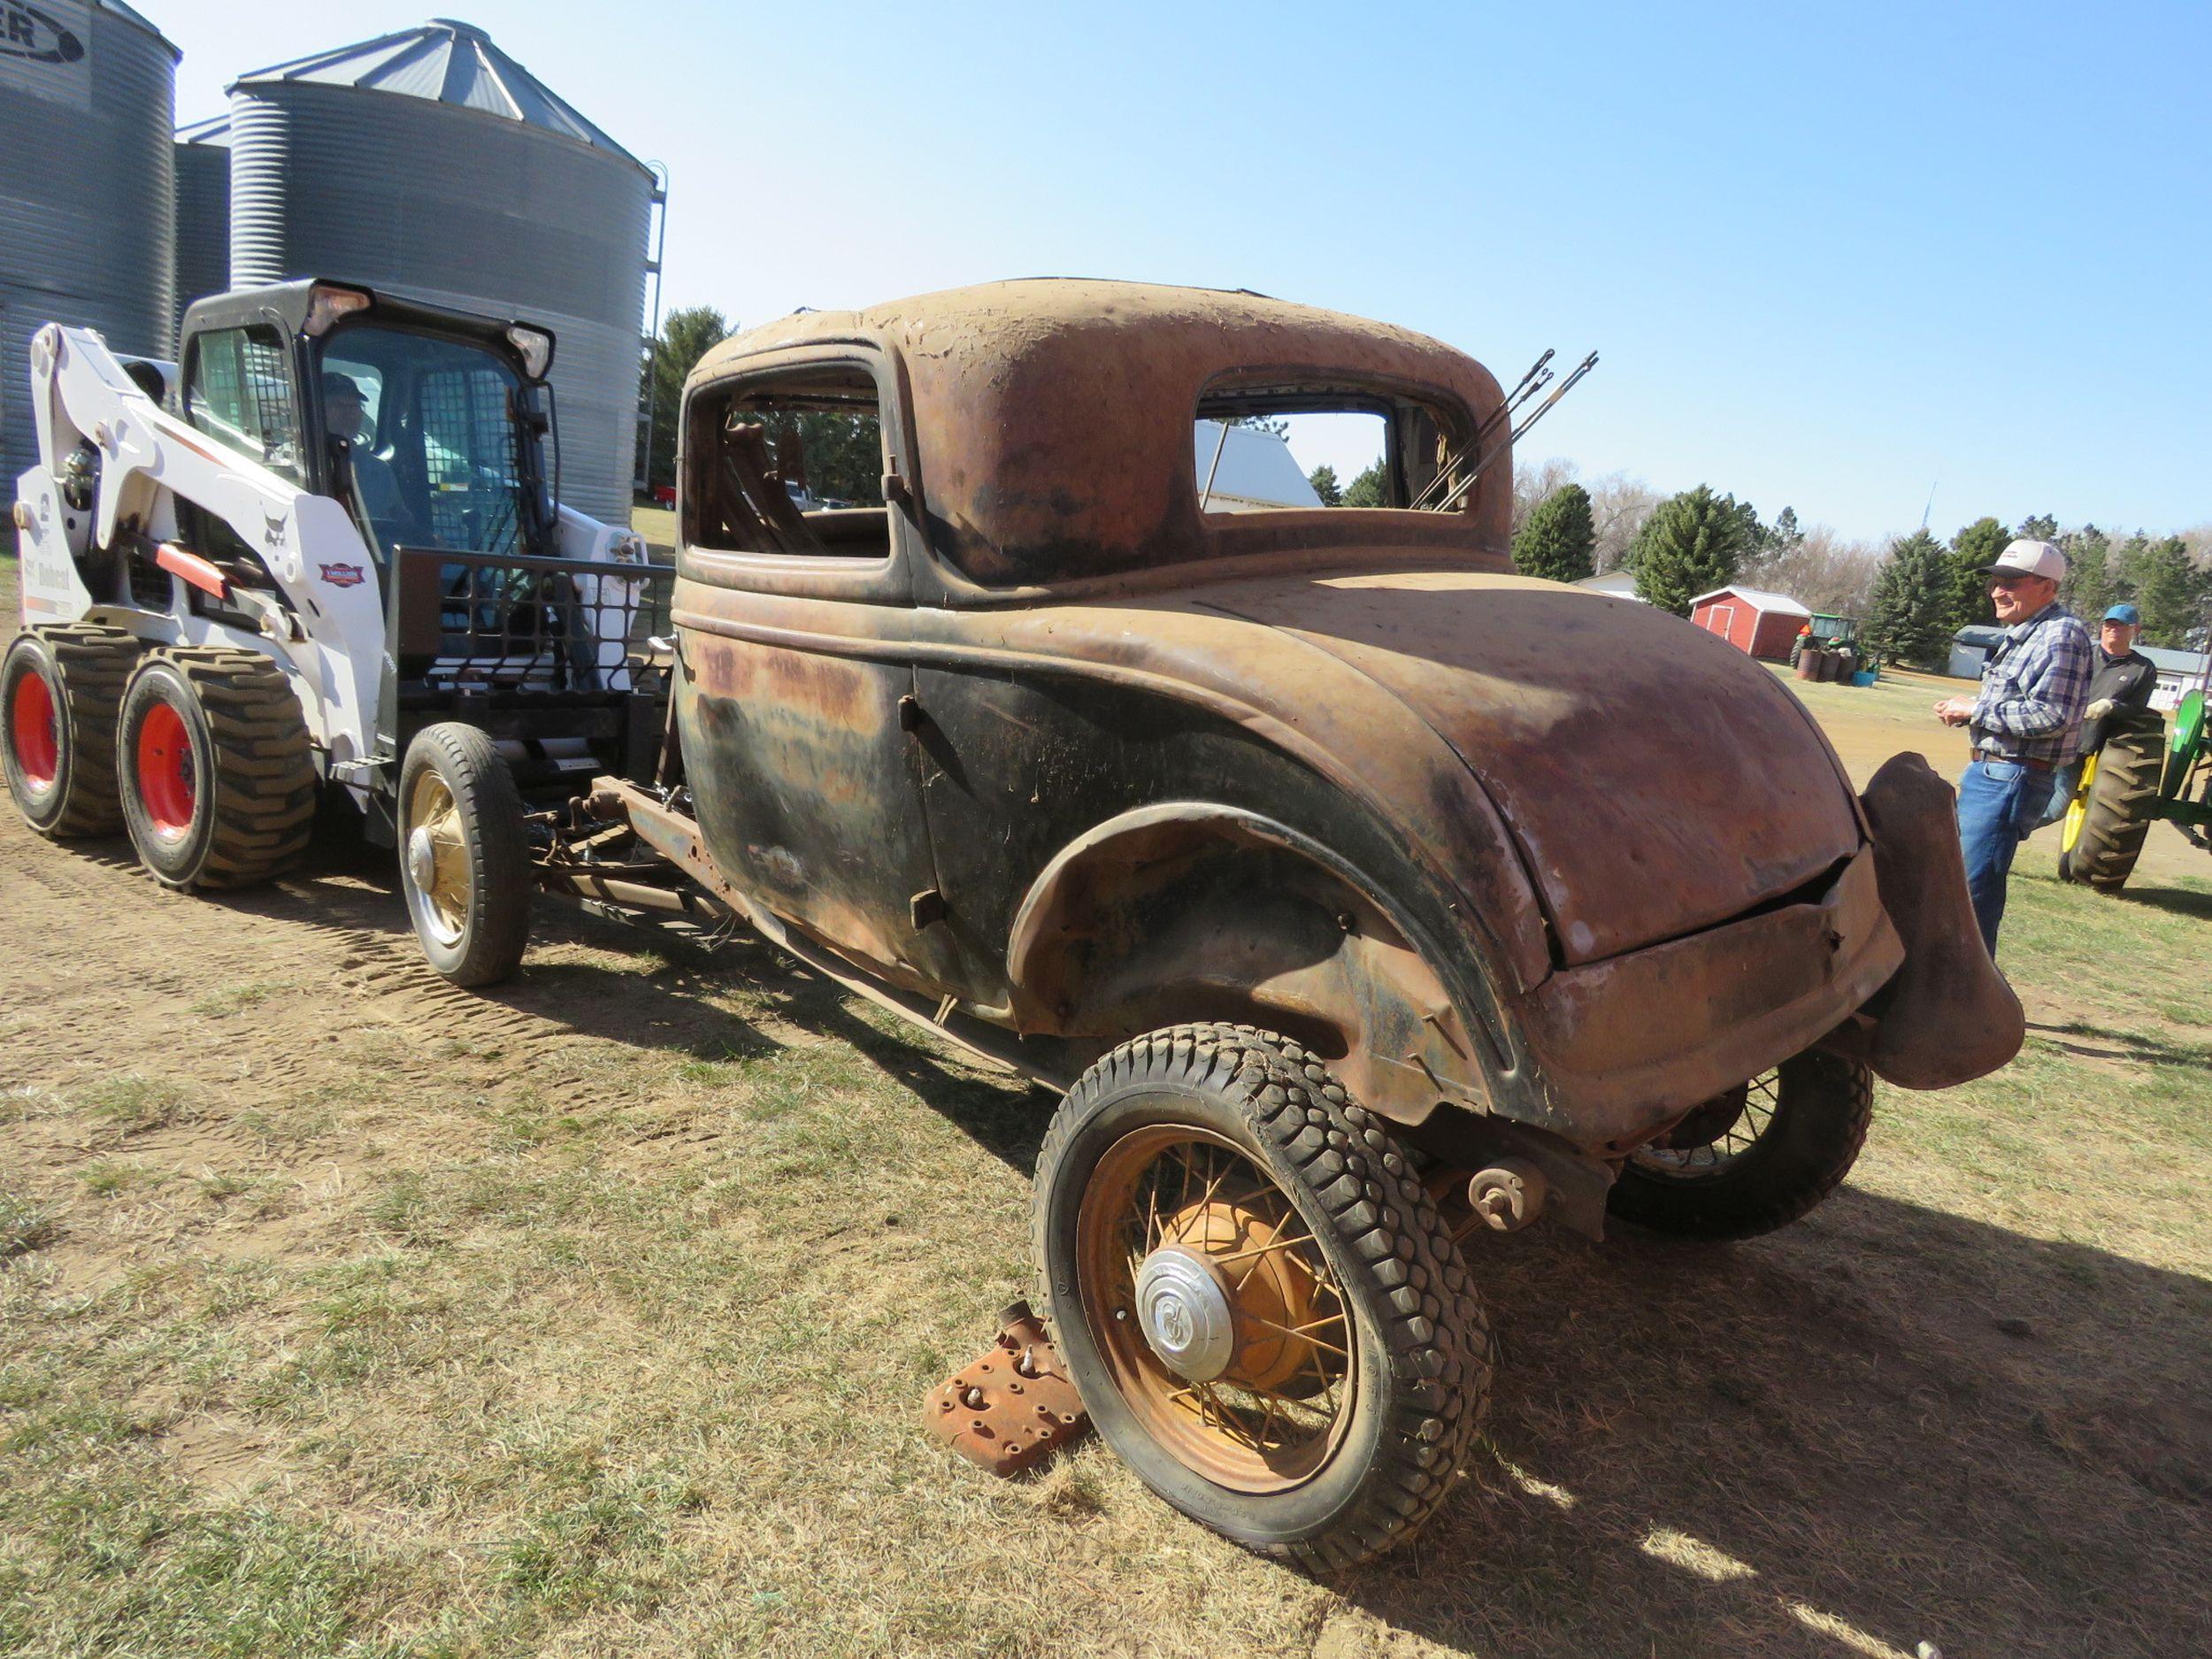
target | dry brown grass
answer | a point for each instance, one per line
(341, 1313)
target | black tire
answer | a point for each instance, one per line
(216, 775)
(1417, 1368)
(1797, 650)
(2117, 814)
(474, 924)
(60, 689)
(1753, 1159)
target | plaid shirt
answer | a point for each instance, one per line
(2034, 689)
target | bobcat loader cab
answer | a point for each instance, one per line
(328, 551)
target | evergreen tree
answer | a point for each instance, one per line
(2169, 591)
(1783, 536)
(1323, 479)
(2087, 590)
(1973, 551)
(1371, 489)
(1692, 543)
(686, 334)
(1911, 612)
(2042, 527)
(1559, 541)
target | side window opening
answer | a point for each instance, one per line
(1262, 447)
(791, 465)
(239, 394)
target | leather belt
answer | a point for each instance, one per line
(2016, 760)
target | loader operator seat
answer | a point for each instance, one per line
(375, 486)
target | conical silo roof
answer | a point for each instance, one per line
(445, 62)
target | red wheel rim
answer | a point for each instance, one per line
(165, 770)
(35, 733)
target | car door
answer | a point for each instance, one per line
(795, 693)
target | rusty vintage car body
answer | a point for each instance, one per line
(1493, 876)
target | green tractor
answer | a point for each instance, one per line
(2144, 771)
(1824, 632)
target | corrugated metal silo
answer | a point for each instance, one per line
(432, 161)
(87, 193)
(202, 210)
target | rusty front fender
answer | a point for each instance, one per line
(1188, 910)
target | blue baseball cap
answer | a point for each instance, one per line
(2128, 614)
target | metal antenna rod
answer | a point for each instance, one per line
(1534, 381)
(1519, 431)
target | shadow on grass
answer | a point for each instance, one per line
(348, 887)
(1889, 1426)
(2179, 901)
(2107, 1042)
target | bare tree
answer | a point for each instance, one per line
(1618, 506)
(1538, 483)
(1824, 572)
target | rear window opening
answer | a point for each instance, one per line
(791, 465)
(1292, 446)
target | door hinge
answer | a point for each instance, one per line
(909, 712)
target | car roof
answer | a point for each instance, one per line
(1052, 417)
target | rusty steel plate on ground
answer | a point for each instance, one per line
(1014, 1404)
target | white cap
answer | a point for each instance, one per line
(2029, 558)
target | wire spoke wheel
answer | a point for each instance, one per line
(1754, 1157)
(1266, 1317)
(1220, 1319)
(1718, 1133)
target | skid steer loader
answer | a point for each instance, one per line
(323, 557)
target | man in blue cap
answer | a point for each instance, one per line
(2125, 678)
(2122, 679)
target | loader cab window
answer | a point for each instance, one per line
(437, 435)
(239, 391)
(790, 465)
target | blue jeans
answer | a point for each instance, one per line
(1999, 804)
(2064, 781)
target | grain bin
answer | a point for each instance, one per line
(87, 100)
(202, 210)
(430, 160)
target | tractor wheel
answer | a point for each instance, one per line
(1253, 1291)
(464, 855)
(1755, 1158)
(59, 691)
(218, 777)
(2103, 831)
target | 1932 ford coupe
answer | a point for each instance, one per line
(1363, 895)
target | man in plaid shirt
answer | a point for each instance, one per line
(2025, 724)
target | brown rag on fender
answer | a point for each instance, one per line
(1947, 1015)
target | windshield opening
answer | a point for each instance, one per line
(1273, 446)
(438, 442)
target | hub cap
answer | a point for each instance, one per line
(1183, 1310)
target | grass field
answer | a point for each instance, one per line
(342, 1313)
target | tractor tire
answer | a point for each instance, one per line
(1215, 1152)
(1755, 1158)
(464, 855)
(2103, 832)
(218, 777)
(60, 689)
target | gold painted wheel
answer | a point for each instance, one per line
(437, 859)
(1213, 1308)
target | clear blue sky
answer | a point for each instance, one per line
(1829, 255)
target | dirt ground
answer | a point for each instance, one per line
(344, 1312)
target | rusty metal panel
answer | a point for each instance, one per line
(1053, 421)
(1630, 1042)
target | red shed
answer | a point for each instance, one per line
(1751, 619)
